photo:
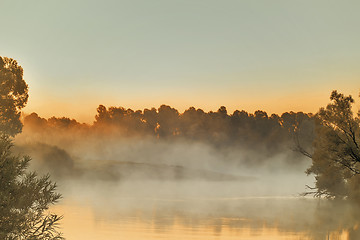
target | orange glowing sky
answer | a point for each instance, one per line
(271, 55)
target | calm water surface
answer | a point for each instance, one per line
(208, 218)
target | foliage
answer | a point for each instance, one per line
(336, 156)
(220, 129)
(24, 198)
(13, 95)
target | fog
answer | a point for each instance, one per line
(182, 178)
(151, 166)
(196, 153)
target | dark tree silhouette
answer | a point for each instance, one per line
(255, 132)
(168, 119)
(13, 95)
(336, 156)
(24, 197)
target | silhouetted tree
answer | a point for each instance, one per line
(168, 118)
(192, 124)
(150, 119)
(13, 95)
(24, 197)
(336, 156)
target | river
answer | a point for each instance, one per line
(111, 214)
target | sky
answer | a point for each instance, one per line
(277, 56)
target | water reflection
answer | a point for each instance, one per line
(242, 218)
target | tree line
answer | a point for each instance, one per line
(330, 138)
(220, 129)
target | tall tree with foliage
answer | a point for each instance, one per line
(24, 196)
(13, 95)
(336, 156)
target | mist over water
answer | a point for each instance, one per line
(149, 187)
(167, 168)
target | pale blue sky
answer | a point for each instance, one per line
(257, 54)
